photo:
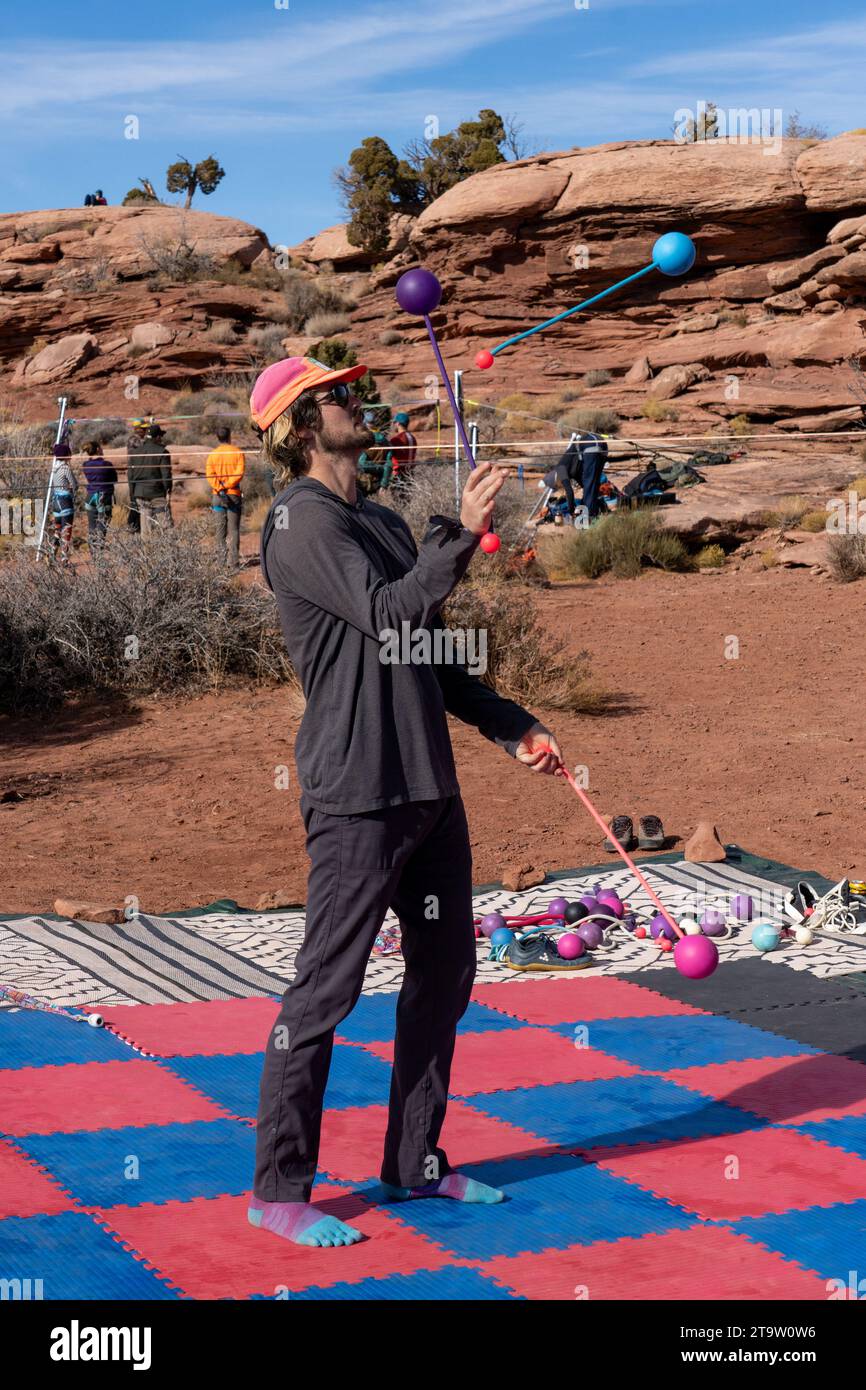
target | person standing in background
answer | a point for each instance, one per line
(64, 486)
(404, 445)
(150, 481)
(225, 470)
(100, 477)
(136, 446)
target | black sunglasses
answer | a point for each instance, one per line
(339, 394)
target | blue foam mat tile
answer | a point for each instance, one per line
(553, 1201)
(622, 1110)
(75, 1259)
(232, 1079)
(828, 1240)
(847, 1132)
(694, 1040)
(149, 1163)
(374, 1019)
(31, 1039)
(457, 1284)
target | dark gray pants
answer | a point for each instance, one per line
(416, 859)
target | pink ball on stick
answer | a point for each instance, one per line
(696, 957)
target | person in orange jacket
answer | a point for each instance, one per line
(225, 471)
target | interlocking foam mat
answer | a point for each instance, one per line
(649, 1149)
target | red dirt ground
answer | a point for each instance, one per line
(175, 802)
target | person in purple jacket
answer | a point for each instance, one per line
(100, 477)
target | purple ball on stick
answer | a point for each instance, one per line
(557, 906)
(418, 291)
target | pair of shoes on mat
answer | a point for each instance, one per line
(651, 833)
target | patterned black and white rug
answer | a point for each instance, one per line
(225, 954)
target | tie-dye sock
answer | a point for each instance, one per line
(454, 1185)
(300, 1222)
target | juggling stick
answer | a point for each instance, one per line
(673, 254)
(694, 956)
(419, 292)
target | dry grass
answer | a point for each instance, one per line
(848, 558)
(390, 337)
(598, 420)
(769, 559)
(523, 662)
(710, 557)
(624, 544)
(597, 377)
(154, 616)
(222, 331)
(740, 425)
(432, 493)
(789, 513)
(814, 520)
(653, 409)
(327, 324)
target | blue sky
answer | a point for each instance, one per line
(282, 95)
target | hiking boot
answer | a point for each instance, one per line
(623, 828)
(650, 833)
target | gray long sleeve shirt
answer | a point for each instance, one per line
(374, 733)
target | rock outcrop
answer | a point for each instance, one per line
(764, 326)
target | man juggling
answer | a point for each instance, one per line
(380, 801)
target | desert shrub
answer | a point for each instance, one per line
(95, 274)
(814, 521)
(432, 493)
(390, 337)
(25, 456)
(789, 513)
(624, 543)
(710, 557)
(739, 317)
(267, 342)
(175, 260)
(523, 662)
(517, 403)
(336, 353)
(859, 484)
(326, 324)
(104, 432)
(253, 518)
(304, 297)
(740, 425)
(197, 627)
(653, 409)
(848, 558)
(597, 377)
(597, 420)
(769, 559)
(222, 331)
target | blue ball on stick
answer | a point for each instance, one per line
(674, 253)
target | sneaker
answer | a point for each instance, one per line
(538, 952)
(650, 833)
(623, 828)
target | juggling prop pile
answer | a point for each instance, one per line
(419, 292)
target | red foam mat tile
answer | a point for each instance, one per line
(579, 997)
(352, 1140)
(726, 1177)
(787, 1090)
(97, 1095)
(703, 1262)
(208, 1249)
(506, 1060)
(206, 1028)
(25, 1190)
